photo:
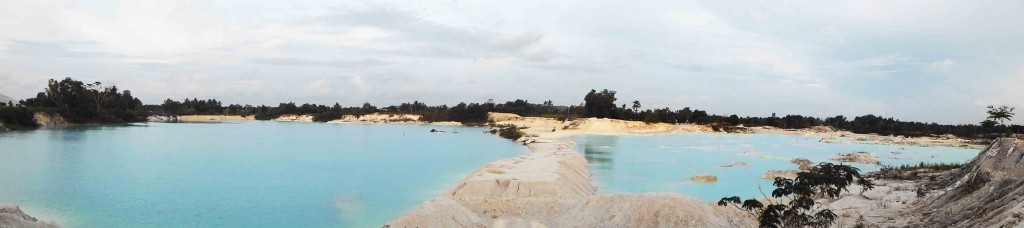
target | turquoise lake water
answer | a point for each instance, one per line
(243, 174)
(660, 163)
(273, 174)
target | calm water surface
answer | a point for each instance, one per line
(662, 163)
(244, 174)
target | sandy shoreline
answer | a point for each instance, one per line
(829, 135)
(550, 186)
(551, 128)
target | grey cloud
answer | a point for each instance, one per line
(409, 28)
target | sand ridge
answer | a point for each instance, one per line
(550, 187)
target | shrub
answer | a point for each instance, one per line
(17, 118)
(327, 116)
(508, 131)
(823, 180)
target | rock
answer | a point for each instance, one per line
(859, 157)
(804, 163)
(12, 216)
(772, 174)
(704, 178)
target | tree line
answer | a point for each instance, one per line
(601, 104)
(82, 102)
(77, 102)
(469, 113)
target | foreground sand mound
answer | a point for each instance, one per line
(12, 216)
(651, 210)
(550, 187)
(558, 174)
(985, 193)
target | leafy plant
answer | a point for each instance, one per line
(1001, 113)
(800, 208)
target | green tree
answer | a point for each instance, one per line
(1000, 113)
(600, 104)
(823, 180)
(734, 120)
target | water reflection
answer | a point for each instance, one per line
(599, 150)
(639, 164)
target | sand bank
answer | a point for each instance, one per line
(377, 118)
(294, 118)
(213, 118)
(550, 187)
(830, 135)
(551, 128)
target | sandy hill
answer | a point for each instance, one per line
(987, 192)
(5, 99)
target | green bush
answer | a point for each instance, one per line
(17, 118)
(508, 131)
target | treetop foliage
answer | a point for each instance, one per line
(826, 180)
(80, 102)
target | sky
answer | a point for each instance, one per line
(934, 61)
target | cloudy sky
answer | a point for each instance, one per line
(940, 61)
